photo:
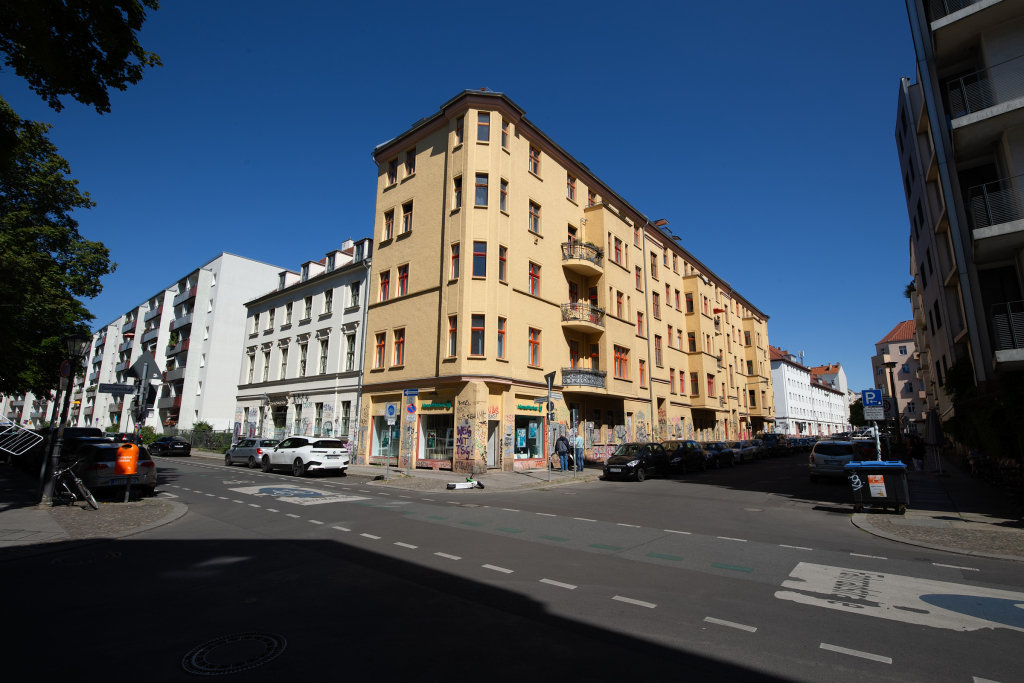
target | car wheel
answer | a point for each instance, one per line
(298, 468)
(252, 462)
(640, 474)
(149, 491)
(703, 465)
(265, 464)
(682, 468)
(227, 461)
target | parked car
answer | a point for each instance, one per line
(687, 456)
(742, 451)
(302, 456)
(96, 468)
(760, 449)
(249, 451)
(865, 449)
(128, 437)
(721, 453)
(829, 458)
(170, 445)
(637, 461)
(31, 461)
(777, 445)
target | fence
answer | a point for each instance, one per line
(218, 441)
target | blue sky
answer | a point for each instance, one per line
(762, 131)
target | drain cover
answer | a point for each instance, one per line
(85, 558)
(234, 653)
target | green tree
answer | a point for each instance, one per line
(202, 426)
(909, 290)
(148, 435)
(857, 414)
(46, 266)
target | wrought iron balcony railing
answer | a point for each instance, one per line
(582, 312)
(1008, 325)
(580, 251)
(583, 377)
(942, 8)
(986, 88)
(999, 201)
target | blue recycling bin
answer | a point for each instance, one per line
(878, 483)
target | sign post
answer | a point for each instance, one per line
(127, 464)
(391, 413)
(550, 379)
(874, 409)
(410, 416)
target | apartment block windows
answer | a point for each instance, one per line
(460, 129)
(574, 354)
(322, 365)
(656, 305)
(677, 301)
(501, 338)
(346, 412)
(618, 305)
(753, 400)
(928, 260)
(403, 280)
(534, 350)
(303, 349)
(280, 281)
(570, 188)
(455, 262)
(534, 160)
(675, 265)
(639, 324)
(480, 198)
(654, 265)
(671, 380)
(534, 217)
(410, 162)
(398, 357)
(643, 374)
(595, 356)
(903, 350)
(307, 312)
(534, 279)
(657, 350)
(406, 217)
(636, 237)
(938, 315)
(503, 264)
(664, 257)
(266, 366)
(750, 367)
(318, 419)
(283, 374)
(694, 384)
(711, 386)
(393, 171)
(670, 336)
(746, 338)
(504, 134)
(256, 323)
(479, 259)
(453, 335)
(330, 263)
(483, 126)
(350, 352)
(503, 196)
(924, 278)
(617, 252)
(639, 279)
(353, 299)
(621, 362)
(689, 302)
(691, 342)
(458, 192)
(270, 318)
(591, 198)
(328, 301)
(378, 350)
(938, 373)
(385, 286)
(476, 335)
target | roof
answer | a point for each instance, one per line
(904, 331)
(778, 354)
(830, 369)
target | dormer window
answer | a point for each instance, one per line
(280, 281)
(305, 272)
(358, 253)
(330, 263)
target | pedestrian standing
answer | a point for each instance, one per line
(917, 454)
(562, 449)
(579, 451)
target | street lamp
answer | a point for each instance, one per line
(892, 387)
(77, 345)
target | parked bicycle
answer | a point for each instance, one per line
(63, 491)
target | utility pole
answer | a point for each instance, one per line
(550, 379)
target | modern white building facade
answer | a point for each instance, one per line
(302, 351)
(805, 405)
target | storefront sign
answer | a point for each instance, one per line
(535, 408)
(446, 406)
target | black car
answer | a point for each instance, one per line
(777, 445)
(721, 453)
(128, 437)
(31, 461)
(687, 456)
(760, 449)
(636, 461)
(170, 445)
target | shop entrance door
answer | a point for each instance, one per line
(493, 441)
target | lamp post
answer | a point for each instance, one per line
(892, 387)
(76, 345)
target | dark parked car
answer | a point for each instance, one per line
(687, 456)
(170, 445)
(760, 449)
(721, 453)
(31, 460)
(128, 437)
(777, 445)
(636, 461)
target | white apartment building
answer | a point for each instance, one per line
(302, 352)
(26, 410)
(898, 347)
(194, 330)
(805, 405)
(834, 376)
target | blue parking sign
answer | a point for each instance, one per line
(871, 397)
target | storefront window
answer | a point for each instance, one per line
(385, 439)
(438, 437)
(529, 437)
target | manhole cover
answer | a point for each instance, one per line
(86, 558)
(234, 653)
(469, 505)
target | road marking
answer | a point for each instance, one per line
(509, 510)
(671, 531)
(795, 547)
(857, 653)
(982, 680)
(731, 624)
(649, 605)
(584, 519)
(185, 489)
(376, 538)
(222, 497)
(665, 557)
(211, 495)
(953, 566)
(313, 521)
(471, 523)
(364, 490)
(272, 510)
(629, 525)
(545, 514)
(340, 528)
(237, 501)
(291, 515)
(383, 494)
(405, 496)
(727, 538)
(406, 545)
(873, 557)
(497, 569)
(555, 538)
(450, 557)
(511, 531)
(430, 499)
(253, 505)
(559, 584)
(197, 491)
(604, 547)
(732, 567)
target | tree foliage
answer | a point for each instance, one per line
(909, 290)
(79, 48)
(989, 421)
(857, 414)
(148, 435)
(45, 264)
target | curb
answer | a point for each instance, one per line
(177, 513)
(860, 521)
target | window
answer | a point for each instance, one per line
(534, 279)
(595, 357)
(689, 302)
(403, 280)
(399, 355)
(677, 301)
(675, 264)
(906, 368)
(618, 305)
(460, 129)
(328, 301)
(617, 252)
(353, 297)
(199, 391)
(503, 264)
(393, 171)
(458, 192)
(671, 380)
(256, 323)
(481, 189)
(330, 263)
(453, 335)
(654, 265)
(636, 237)
(378, 354)
(307, 312)
(270, 318)
(503, 197)
(534, 217)
(410, 162)
(643, 374)
(938, 373)
(664, 257)
(750, 367)
(318, 419)
(694, 385)
(534, 160)
(746, 338)
(938, 315)
(288, 313)
(924, 278)
(570, 187)
(350, 352)
(501, 337)
(903, 350)
(639, 279)
(406, 217)
(504, 133)
(657, 350)
(346, 411)
(621, 362)
(455, 262)
(591, 198)
(639, 324)
(303, 348)
(711, 386)
(656, 305)
(483, 126)
(752, 396)
(534, 355)
(691, 342)
(280, 281)
(928, 260)
(385, 286)
(670, 336)
(476, 335)
(266, 366)
(323, 356)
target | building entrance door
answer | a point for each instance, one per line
(493, 441)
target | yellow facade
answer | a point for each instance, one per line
(500, 259)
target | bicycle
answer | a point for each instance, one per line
(63, 492)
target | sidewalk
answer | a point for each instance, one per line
(958, 514)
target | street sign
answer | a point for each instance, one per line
(871, 397)
(411, 392)
(889, 405)
(874, 413)
(391, 413)
(118, 389)
(65, 368)
(140, 366)
(555, 396)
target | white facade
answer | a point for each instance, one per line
(805, 406)
(834, 376)
(302, 352)
(27, 410)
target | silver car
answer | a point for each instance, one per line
(96, 468)
(249, 452)
(829, 458)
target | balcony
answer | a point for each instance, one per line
(121, 366)
(88, 411)
(35, 415)
(582, 258)
(127, 344)
(583, 377)
(178, 348)
(155, 313)
(152, 334)
(1008, 335)
(94, 376)
(128, 326)
(184, 320)
(175, 374)
(169, 402)
(96, 359)
(90, 392)
(185, 296)
(983, 104)
(996, 212)
(583, 317)
(115, 407)
(19, 403)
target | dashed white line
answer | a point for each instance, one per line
(730, 624)
(376, 538)
(728, 538)
(497, 569)
(405, 496)
(383, 494)
(222, 497)
(982, 680)
(953, 566)
(673, 531)
(873, 557)
(340, 528)
(795, 547)
(313, 521)
(545, 514)
(197, 491)
(272, 510)
(430, 499)
(635, 526)
(291, 515)
(407, 545)
(558, 583)
(240, 502)
(857, 653)
(450, 557)
(253, 505)
(649, 605)
(211, 495)
(185, 489)
(452, 502)
(584, 519)
(509, 510)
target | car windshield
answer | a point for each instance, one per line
(735, 444)
(333, 443)
(833, 449)
(629, 449)
(715, 446)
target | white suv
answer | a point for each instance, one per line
(303, 455)
(829, 458)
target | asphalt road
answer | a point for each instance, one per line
(745, 574)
